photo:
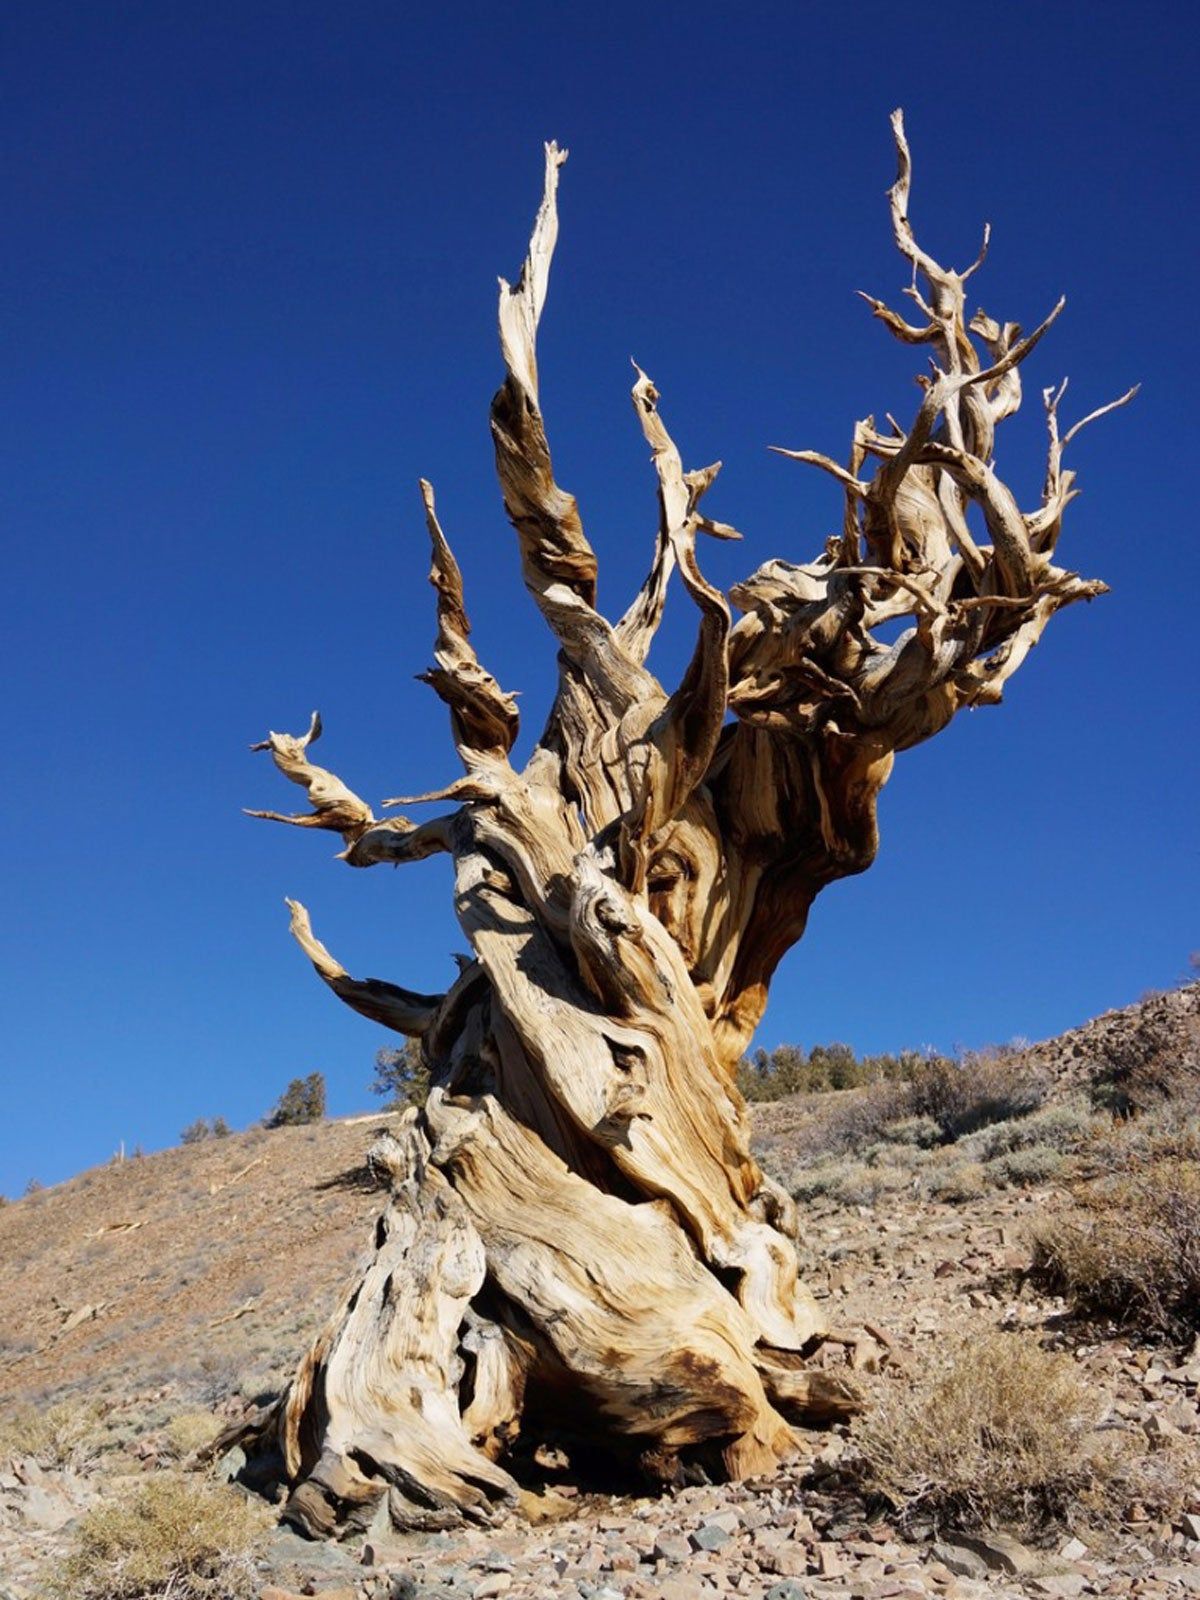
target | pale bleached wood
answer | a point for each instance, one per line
(578, 1239)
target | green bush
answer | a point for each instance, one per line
(1058, 1127)
(956, 1181)
(215, 1128)
(402, 1076)
(923, 1132)
(850, 1183)
(771, 1075)
(302, 1101)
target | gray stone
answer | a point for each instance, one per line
(789, 1589)
(491, 1587)
(230, 1464)
(963, 1563)
(710, 1536)
(287, 1549)
(1001, 1552)
(44, 1507)
(729, 1520)
(403, 1587)
(1066, 1585)
(671, 1547)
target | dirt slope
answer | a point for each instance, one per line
(207, 1266)
(194, 1278)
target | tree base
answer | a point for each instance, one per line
(509, 1308)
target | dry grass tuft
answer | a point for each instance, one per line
(189, 1431)
(172, 1535)
(1130, 1249)
(997, 1431)
(68, 1434)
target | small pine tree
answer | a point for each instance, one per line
(402, 1076)
(222, 1130)
(302, 1101)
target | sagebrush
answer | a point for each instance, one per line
(996, 1430)
(69, 1433)
(1129, 1248)
(173, 1535)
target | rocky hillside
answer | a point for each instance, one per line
(151, 1299)
(1133, 1057)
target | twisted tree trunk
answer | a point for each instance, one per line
(578, 1237)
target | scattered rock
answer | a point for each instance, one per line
(829, 1561)
(671, 1547)
(230, 1464)
(496, 1583)
(1001, 1552)
(788, 1560)
(44, 1506)
(963, 1563)
(710, 1536)
(1159, 1430)
(1060, 1585)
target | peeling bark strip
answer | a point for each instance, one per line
(577, 1229)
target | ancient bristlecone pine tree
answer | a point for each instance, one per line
(578, 1241)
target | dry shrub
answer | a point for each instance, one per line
(848, 1120)
(189, 1431)
(1130, 1249)
(850, 1183)
(68, 1434)
(995, 1430)
(172, 1535)
(966, 1095)
(1064, 1126)
(956, 1182)
(1022, 1169)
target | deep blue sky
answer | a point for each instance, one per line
(248, 296)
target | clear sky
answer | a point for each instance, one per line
(248, 296)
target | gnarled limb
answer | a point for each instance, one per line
(402, 1010)
(483, 717)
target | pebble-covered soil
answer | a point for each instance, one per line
(896, 1276)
